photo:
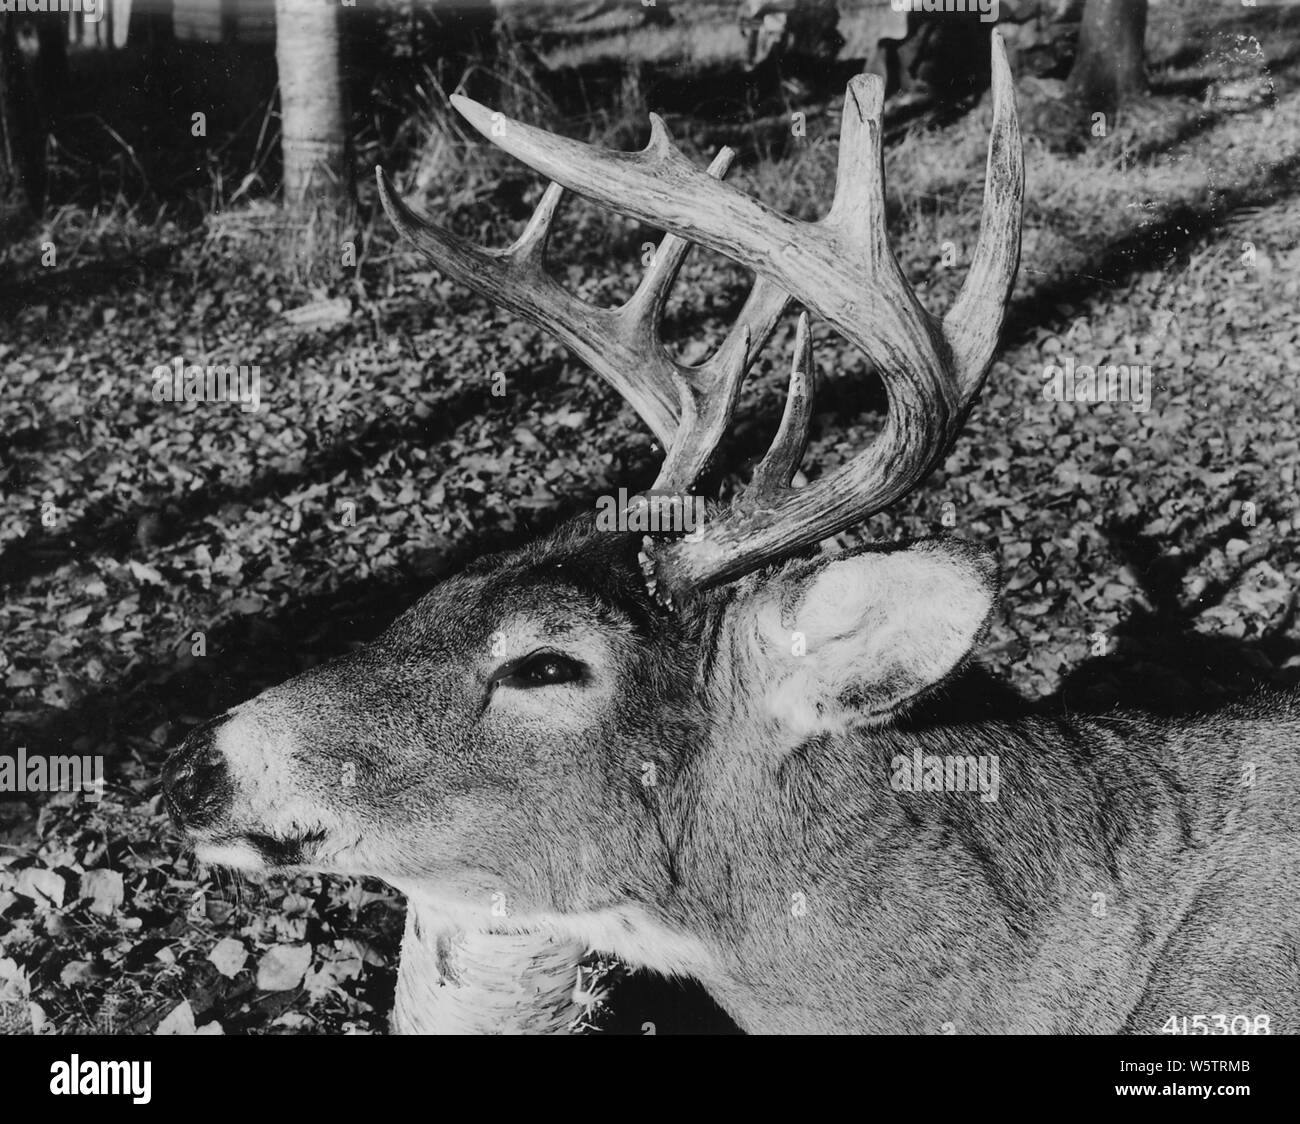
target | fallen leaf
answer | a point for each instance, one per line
(44, 887)
(104, 889)
(146, 574)
(283, 967)
(179, 1021)
(320, 314)
(78, 973)
(14, 981)
(229, 956)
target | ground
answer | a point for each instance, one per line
(161, 562)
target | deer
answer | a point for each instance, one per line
(736, 756)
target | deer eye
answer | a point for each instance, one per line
(541, 669)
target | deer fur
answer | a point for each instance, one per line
(545, 759)
(1129, 869)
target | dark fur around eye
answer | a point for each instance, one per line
(540, 669)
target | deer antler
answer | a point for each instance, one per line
(840, 267)
(621, 344)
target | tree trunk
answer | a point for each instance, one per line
(318, 189)
(52, 65)
(1110, 66)
(120, 22)
(151, 24)
(22, 136)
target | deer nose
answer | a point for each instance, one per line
(196, 782)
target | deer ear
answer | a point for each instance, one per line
(848, 641)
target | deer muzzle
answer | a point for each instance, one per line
(196, 781)
(244, 815)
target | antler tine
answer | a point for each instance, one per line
(840, 268)
(708, 392)
(829, 265)
(516, 279)
(974, 322)
(647, 303)
(778, 466)
(620, 344)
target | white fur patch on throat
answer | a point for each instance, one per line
(626, 931)
(637, 939)
(466, 972)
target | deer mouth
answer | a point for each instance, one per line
(258, 850)
(287, 850)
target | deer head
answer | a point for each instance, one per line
(630, 743)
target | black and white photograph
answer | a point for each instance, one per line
(650, 518)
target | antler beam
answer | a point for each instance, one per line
(620, 344)
(840, 268)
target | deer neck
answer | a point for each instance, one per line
(456, 979)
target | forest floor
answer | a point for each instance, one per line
(161, 562)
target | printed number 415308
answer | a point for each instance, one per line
(1217, 1024)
